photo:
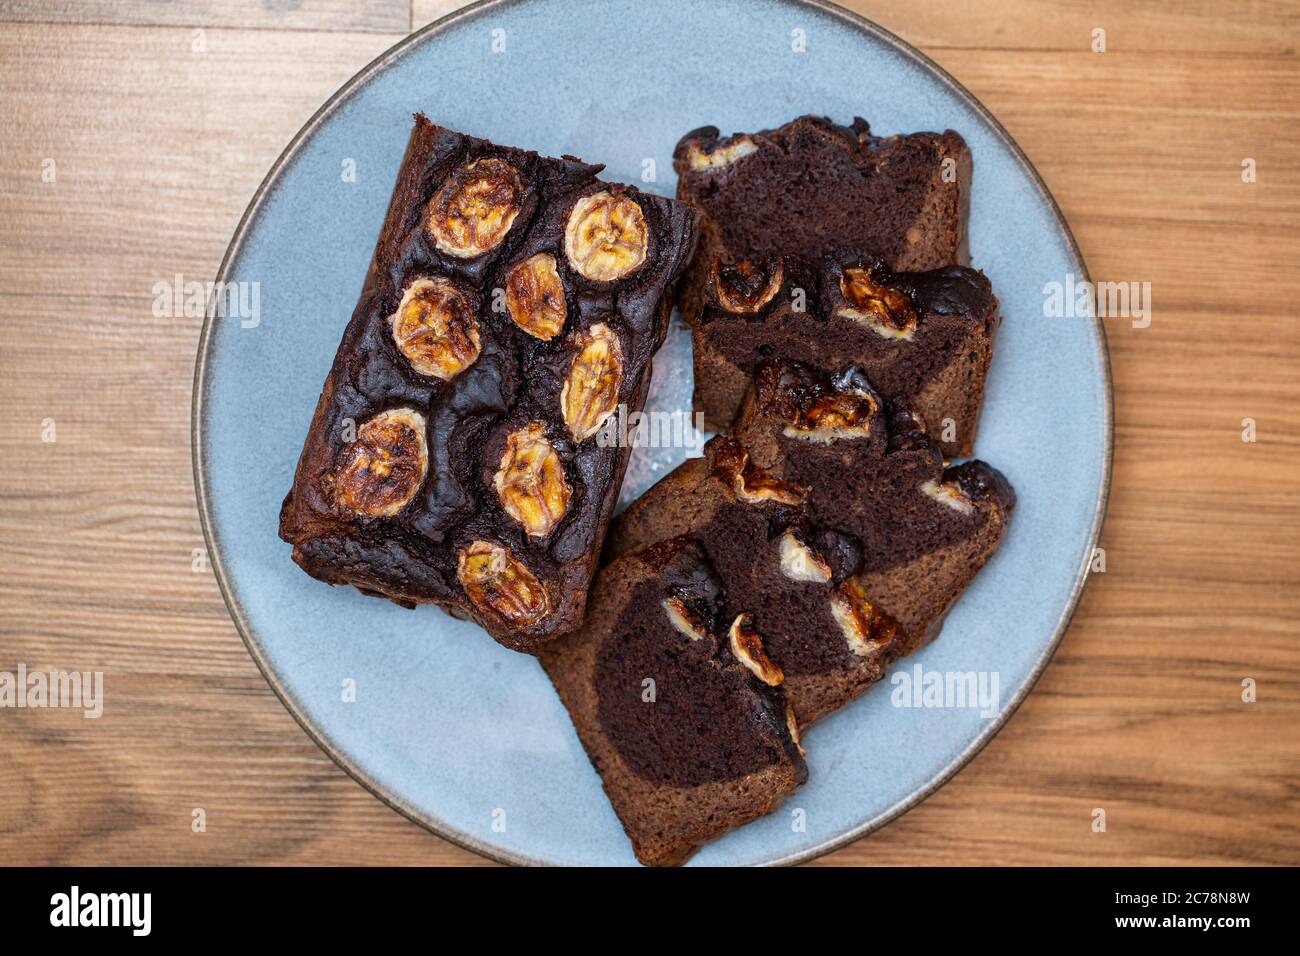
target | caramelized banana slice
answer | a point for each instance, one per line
(792, 726)
(951, 494)
(746, 287)
(721, 156)
(750, 483)
(683, 619)
(530, 481)
(435, 328)
(382, 469)
(747, 647)
(535, 297)
(606, 237)
(868, 629)
(475, 208)
(835, 416)
(887, 312)
(498, 583)
(800, 561)
(590, 392)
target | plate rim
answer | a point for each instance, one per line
(202, 381)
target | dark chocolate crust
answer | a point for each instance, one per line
(411, 557)
(688, 742)
(881, 508)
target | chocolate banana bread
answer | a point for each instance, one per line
(925, 338)
(457, 453)
(812, 187)
(786, 211)
(676, 702)
(836, 519)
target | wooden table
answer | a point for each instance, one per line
(134, 134)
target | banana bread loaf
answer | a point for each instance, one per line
(456, 457)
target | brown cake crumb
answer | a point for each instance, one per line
(689, 741)
(861, 568)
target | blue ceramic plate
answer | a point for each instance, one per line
(448, 727)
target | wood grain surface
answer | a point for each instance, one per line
(159, 121)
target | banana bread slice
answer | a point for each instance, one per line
(676, 702)
(924, 338)
(836, 520)
(812, 187)
(809, 234)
